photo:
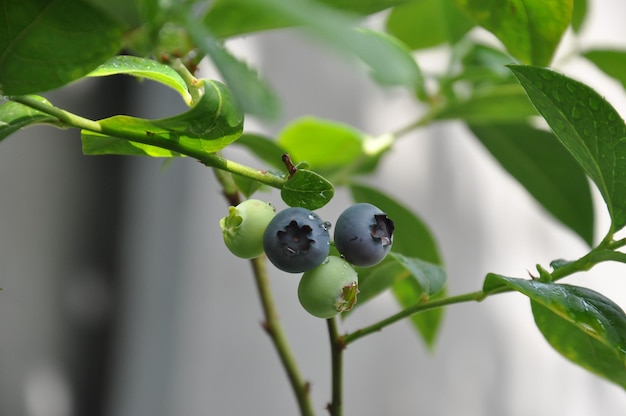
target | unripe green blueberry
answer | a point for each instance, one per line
(244, 226)
(329, 289)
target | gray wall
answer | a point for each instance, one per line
(177, 316)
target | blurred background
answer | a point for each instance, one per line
(119, 298)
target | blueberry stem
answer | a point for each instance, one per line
(337, 346)
(276, 333)
(271, 324)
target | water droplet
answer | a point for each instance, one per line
(571, 87)
(326, 225)
(594, 104)
(612, 116)
(612, 130)
(311, 217)
(576, 113)
(326, 260)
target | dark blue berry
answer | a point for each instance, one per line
(296, 240)
(363, 235)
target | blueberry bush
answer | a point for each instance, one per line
(553, 134)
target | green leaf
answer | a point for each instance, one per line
(530, 29)
(45, 44)
(414, 249)
(143, 68)
(496, 104)
(251, 93)
(430, 278)
(325, 145)
(228, 18)
(582, 325)
(588, 126)
(427, 23)
(307, 189)
(578, 15)
(265, 149)
(390, 62)
(15, 116)
(247, 186)
(548, 172)
(611, 62)
(212, 124)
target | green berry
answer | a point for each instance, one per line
(244, 226)
(329, 289)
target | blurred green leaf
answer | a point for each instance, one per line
(496, 104)
(213, 123)
(45, 44)
(247, 186)
(426, 23)
(326, 145)
(548, 172)
(530, 29)
(414, 249)
(252, 94)
(611, 62)
(430, 278)
(579, 14)
(390, 62)
(143, 68)
(228, 18)
(15, 116)
(265, 149)
(483, 64)
(307, 189)
(588, 126)
(582, 325)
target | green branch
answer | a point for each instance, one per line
(68, 119)
(597, 255)
(276, 333)
(337, 345)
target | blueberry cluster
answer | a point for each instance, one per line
(297, 240)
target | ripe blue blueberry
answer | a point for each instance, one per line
(363, 235)
(296, 240)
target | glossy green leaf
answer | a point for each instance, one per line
(579, 14)
(212, 124)
(548, 172)
(426, 23)
(496, 104)
(413, 249)
(588, 126)
(252, 94)
(611, 62)
(15, 116)
(583, 325)
(530, 29)
(45, 44)
(228, 18)
(307, 189)
(388, 59)
(144, 68)
(265, 149)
